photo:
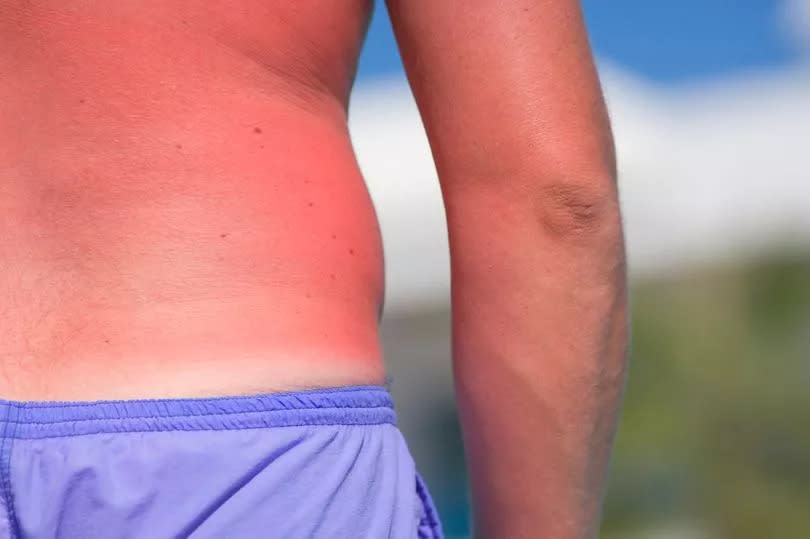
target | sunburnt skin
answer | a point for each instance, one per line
(181, 212)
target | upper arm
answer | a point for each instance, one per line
(505, 89)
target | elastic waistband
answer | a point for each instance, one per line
(358, 405)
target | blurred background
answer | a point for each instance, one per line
(710, 102)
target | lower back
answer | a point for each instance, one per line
(191, 225)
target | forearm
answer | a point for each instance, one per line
(511, 103)
(539, 346)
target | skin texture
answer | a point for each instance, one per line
(182, 214)
(512, 107)
(180, 207)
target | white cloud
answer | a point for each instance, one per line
(796, 18)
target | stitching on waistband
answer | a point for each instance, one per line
(175, 429)
(201, 415)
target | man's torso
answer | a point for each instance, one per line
(181, 212)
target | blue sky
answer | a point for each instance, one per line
(664, 41)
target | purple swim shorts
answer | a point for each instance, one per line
(311, 464)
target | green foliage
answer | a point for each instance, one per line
(715, 429)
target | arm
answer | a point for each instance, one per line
(513, 110)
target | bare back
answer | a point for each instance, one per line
(181, 212)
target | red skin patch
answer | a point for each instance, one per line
(180, 180)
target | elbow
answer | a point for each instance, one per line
(575, 187)
(580, 221)
(579, 207)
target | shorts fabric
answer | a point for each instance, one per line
(310, 464)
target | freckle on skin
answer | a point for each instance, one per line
(81, 101)
(311, 204)
(332, 276)
(107, 341)
(351, 251)
(223, 235)
(257, 129)
(333, 236)
(179, 146)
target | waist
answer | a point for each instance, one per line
(210, 350)
(342, 405)
(244, 276)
